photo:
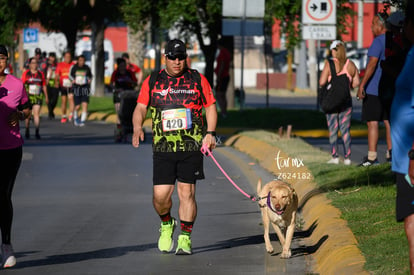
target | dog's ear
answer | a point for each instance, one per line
(292, 193)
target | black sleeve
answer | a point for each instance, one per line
(23, 106)
(89, 73)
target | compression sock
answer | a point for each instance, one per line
(166, 218)
(186, 228)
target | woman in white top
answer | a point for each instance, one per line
(342, 119)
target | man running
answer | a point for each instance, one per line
(133, 68)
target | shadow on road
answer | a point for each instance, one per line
(258, 239)
(83, 256)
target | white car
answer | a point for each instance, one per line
(359, 57)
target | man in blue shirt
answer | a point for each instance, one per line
(373, 110)
(402, 130)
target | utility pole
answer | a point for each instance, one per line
(360, 24)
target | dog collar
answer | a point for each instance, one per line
(269, 204)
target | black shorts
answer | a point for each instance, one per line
(373, 109)
(81, 94)
(80, 99)
(65, 91)
(405, 198)
(186, 167)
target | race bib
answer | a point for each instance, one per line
(80, 80)
(34, 89)
(66, 83)
(176, 119)
(50, 74)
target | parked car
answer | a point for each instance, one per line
(359, 57)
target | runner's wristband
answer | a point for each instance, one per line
(213, 133)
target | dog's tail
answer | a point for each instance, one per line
(259, 186)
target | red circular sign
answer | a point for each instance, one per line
(307, 7)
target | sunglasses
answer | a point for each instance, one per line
(180, 57)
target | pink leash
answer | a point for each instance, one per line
(206, 151)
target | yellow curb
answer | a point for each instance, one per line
(339, 253)
(111, 118)
(97, 116)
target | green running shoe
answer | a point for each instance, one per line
(184, 245)
(166, 242)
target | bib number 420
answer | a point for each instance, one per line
(176, 119)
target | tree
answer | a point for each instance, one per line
(71, 16)
(9, 21)
(12, 14)
(199, 17)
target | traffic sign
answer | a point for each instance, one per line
(31, 35)
(243, 8)
(322, 32)
(319, 12)
(251, 27)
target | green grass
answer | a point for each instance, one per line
(370, 213)
(101, 104)
(274, 118)
(97, 104)
(366, 198)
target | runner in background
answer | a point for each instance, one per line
(34, 81)
(64, 84)
(41, 61)
(122, 79)
(133, 68)
(52, 91)
(81, 76)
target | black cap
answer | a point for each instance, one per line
(175, 47)
(38, 51)
(3, 50)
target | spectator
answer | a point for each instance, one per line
(402, 133)
(395, 54)
(342, 119)
(372, 109)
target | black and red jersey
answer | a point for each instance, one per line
(176, 107)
